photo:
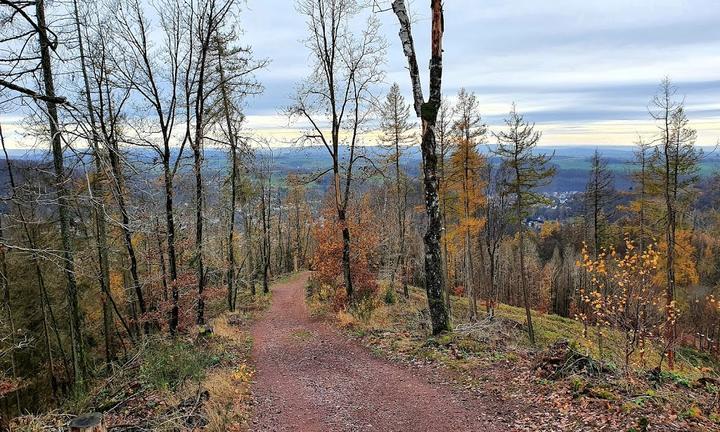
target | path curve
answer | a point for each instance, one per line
(312, 378)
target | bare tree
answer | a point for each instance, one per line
(33, 24)
(599, 197)
(154, 74)
(496, 217)
(98, 193)
(428, 113)
(345, 69)
(205, 20)
(642, 179)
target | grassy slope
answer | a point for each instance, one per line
(191, 382)
(490, 358)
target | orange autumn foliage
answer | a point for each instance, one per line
(327, 259)
(686, 273)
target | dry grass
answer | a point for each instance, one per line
(409, 325)
(498, 350)
(229, 385)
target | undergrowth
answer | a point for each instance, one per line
(575, 373)
(190, 382)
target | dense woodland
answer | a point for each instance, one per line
(124, 233)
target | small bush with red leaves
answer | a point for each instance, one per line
(327, 260)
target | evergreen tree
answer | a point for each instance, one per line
(599, 197)
(397, 134)
(467, 184)
(528, 172)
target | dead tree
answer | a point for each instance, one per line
(428, 112)
(496, 216)
(675, 165)
(599, 197)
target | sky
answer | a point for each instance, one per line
(583, 70)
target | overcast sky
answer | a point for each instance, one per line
(583, 70)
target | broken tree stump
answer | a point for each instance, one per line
(92, 422)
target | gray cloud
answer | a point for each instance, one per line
(562, 60)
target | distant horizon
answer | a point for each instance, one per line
(587, 80)
(713, 150)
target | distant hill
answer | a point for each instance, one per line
(573, 162)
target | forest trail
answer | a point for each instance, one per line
(312, 378)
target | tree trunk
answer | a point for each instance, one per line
(523, 276)
(669, 189)
(493, 285)
(199, 217)
(119, 186)
(161, 259)
(231, 230)
(170, 222)
(99, 208)
(434, 280)
(78, 346)
(233, 180)
(401, 210)
(88, 423)
(266, 239)
(467, 268)
(469, 279)
(342, 220)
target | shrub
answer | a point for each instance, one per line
(364, 307)
(390, 297)
(327, 258)
(169, 364)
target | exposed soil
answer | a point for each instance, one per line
(310, 377)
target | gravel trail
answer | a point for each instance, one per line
(310, 377)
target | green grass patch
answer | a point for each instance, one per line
(168, 364)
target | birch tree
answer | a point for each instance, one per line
(427, 111)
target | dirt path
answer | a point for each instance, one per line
(312, 378)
